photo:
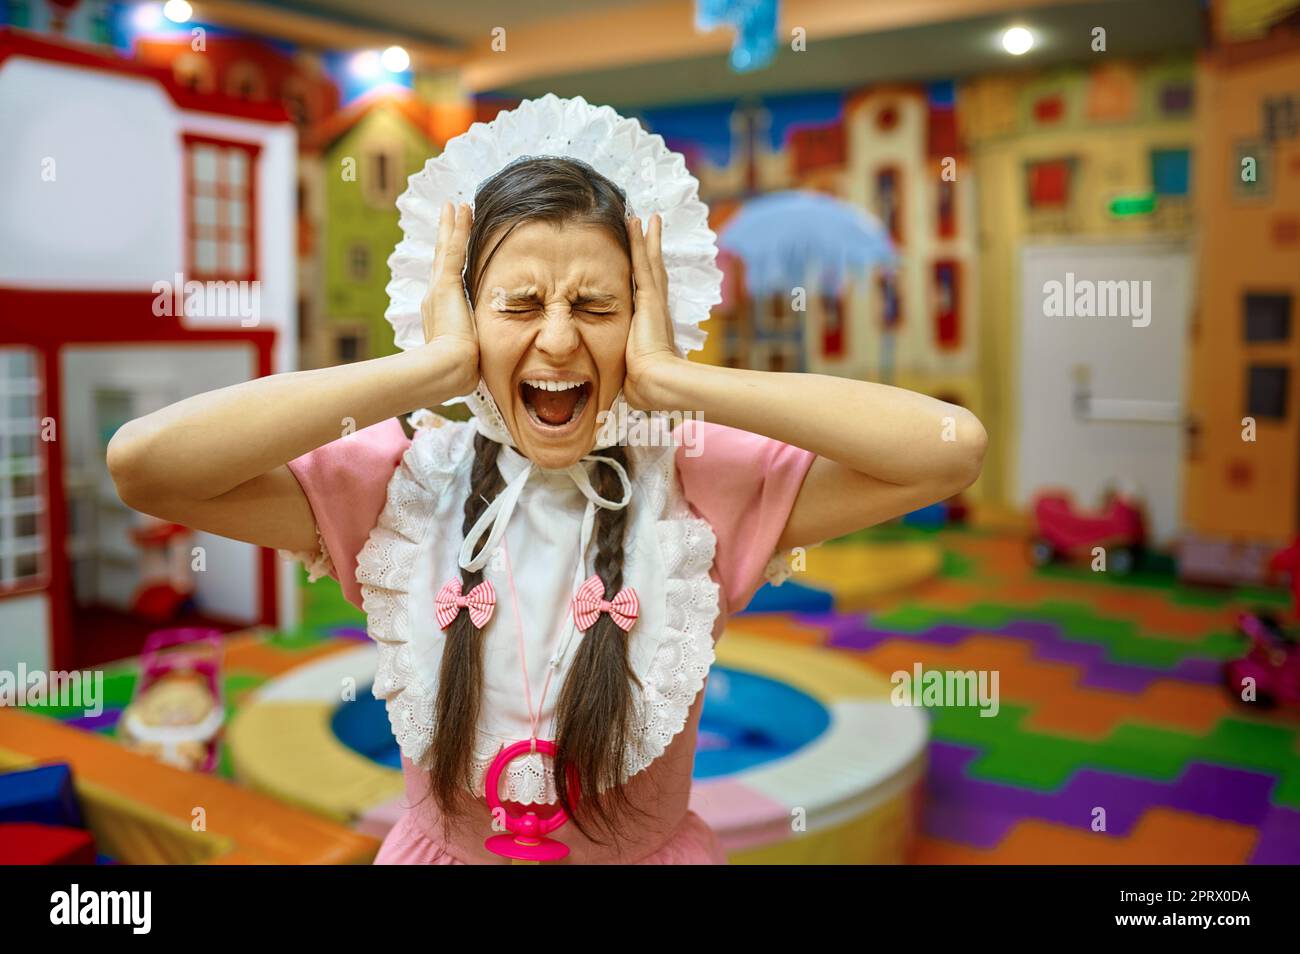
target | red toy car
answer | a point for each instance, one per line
(1064, 533)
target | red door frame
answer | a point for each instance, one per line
(70, 318)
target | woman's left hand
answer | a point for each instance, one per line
(650, 348)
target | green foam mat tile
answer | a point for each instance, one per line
(1015, 756)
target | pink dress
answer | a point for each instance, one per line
(742, 484)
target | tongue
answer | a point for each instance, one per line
(555, 407)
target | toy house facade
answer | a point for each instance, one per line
(894, 153)
(362, 157)
(1242, 477)
(103, 235)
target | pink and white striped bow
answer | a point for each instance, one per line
(590, 603)
(480, 602)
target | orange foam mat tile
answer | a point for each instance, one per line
(778, 626)
(1155, 613)
(1000, 552)
(1162, 837)
(1059, 706)
(948, 592)
(251, 652)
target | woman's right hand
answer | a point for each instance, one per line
(448, 322)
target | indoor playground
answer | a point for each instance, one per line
(1090, 656)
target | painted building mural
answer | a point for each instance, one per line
(977, 182)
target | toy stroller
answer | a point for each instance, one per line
(178, 709)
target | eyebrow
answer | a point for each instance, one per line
(584, 298)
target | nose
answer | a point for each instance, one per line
(558, 337)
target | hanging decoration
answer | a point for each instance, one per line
(755, 23)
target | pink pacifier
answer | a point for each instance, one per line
(525, 839)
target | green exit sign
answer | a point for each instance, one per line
(1129, 206)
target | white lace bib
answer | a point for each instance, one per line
(413, 550)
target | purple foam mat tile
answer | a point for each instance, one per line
(349, 632)
(822, 620)
(861, 641)
(965, 825)
(1135, 678)
(1279, 838)
(1200, 669)
(1223, 792)
(1123, 798)
(1229, 794)
(950, 760)
(961, 810)
(1068, 651)
(1119, 677)
(863, 636)
(93, 723)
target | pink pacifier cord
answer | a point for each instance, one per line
(525, 840)
(533, 719)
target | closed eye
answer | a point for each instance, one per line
(596, 305)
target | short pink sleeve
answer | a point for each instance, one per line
(346, 483)
(745, 485)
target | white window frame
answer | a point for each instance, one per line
(20, 377)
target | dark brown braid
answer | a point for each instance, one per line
(595, 710)
(460, 685)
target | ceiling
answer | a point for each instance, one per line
(455, 22)
(938, 51)
(589, 47)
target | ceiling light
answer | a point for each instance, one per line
(147, 16)
(395, 59)
(178, 11)
(1017, 41)
(366, 64)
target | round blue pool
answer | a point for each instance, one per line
(747, 720)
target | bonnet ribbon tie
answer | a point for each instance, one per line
(493, 520)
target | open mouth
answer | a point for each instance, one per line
(554, 404)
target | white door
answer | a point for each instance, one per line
(100, 385)
(1101, 398)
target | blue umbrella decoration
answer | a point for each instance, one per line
(755, 23)
(793, 238)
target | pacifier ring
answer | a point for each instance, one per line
(525, 836)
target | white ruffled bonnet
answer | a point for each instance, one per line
(653, 178)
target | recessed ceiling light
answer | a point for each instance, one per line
(178, 11)
(395, 59)
(1017, 41)
(366, 64)
(147, 16)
